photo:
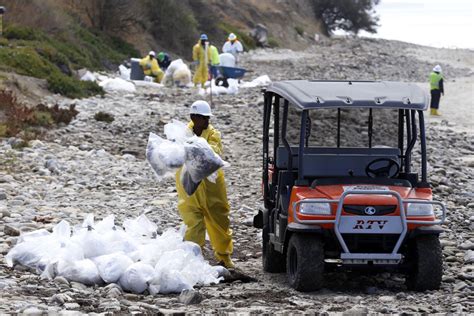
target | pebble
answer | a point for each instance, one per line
(469, 257)
(189, 297)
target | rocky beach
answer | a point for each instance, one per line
(96, 167)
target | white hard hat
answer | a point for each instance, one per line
(152, 53)
(437, 68)
(201, 107)
(232, 36)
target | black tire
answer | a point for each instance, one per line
(221, 81)
(305, 262)
(426, 258)
(272, 260)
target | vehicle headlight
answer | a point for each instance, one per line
(315, 208)
(417, 209)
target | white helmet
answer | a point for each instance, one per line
(232, 37)
(201, 107)
(152, 53)
(437, 68)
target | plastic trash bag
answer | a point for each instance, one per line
(140, 227)
(200, 163)
(91, 242)
(116, 239)
(112, 266)
(135, 279)
(188, 184)
(82, 271)
(38, 252)
(164, 156)
(177, 131)
(169, 282)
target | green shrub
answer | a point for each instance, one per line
(43, 118)
(73, 88)
(299, 30)
(104, 117)
(273, 42)
(26, 61)
(22, 33)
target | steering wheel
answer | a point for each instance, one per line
(385, 171)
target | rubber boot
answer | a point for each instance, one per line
(225, 260)
(436, 112)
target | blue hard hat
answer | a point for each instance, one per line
(203, 37)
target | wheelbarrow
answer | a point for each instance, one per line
(222, 73)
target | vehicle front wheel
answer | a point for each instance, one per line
(426, 259)
(305, 262)
(272, 260)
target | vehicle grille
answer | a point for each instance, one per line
(373, 243)
(379, 209)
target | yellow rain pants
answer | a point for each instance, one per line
(208, 208)
(151, 68)
(202, 72)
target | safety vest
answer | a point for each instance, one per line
(435, 78)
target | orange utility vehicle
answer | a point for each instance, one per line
(337, 203)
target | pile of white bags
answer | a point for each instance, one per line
(133, 256)
(182, 148)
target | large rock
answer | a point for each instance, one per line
(260, 35)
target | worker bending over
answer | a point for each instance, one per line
(150, 67)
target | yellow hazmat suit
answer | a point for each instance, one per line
(199, 55)
(208, 208)
(151, 68)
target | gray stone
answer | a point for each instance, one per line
(33, 311)
(61, 280)
(386, 299)
(11, 231)
(114, 293)
(189, 297)
(468, 245)
(469, 257)
(72, 306)
(3, 196)
(460, 286)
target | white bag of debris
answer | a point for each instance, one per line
(200, 162)
(82, 271)
(91, 242)
(135, 279)
(177, 131)
(140, 227)
(117, 84)
(177, 73)
(164, 156)
(112, 266)
(37, 252)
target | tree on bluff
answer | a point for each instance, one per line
(348, 15)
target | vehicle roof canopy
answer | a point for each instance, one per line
(313, 94)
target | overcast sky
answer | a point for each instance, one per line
(438, 23)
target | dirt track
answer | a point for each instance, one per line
(96, 177)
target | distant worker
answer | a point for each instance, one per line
(437, 89)
(215, 60)
(201, 57)
(150, 67)
(207, 209)
(233, 46)
(163, 60)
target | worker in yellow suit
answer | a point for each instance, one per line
(150, 67)
(202, 57)
(207, 208)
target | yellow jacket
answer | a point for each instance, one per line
(150, 66)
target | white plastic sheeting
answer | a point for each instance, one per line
(100, 252)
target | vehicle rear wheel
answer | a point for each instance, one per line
(305, 262)
(272, 260)
(427, 263)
